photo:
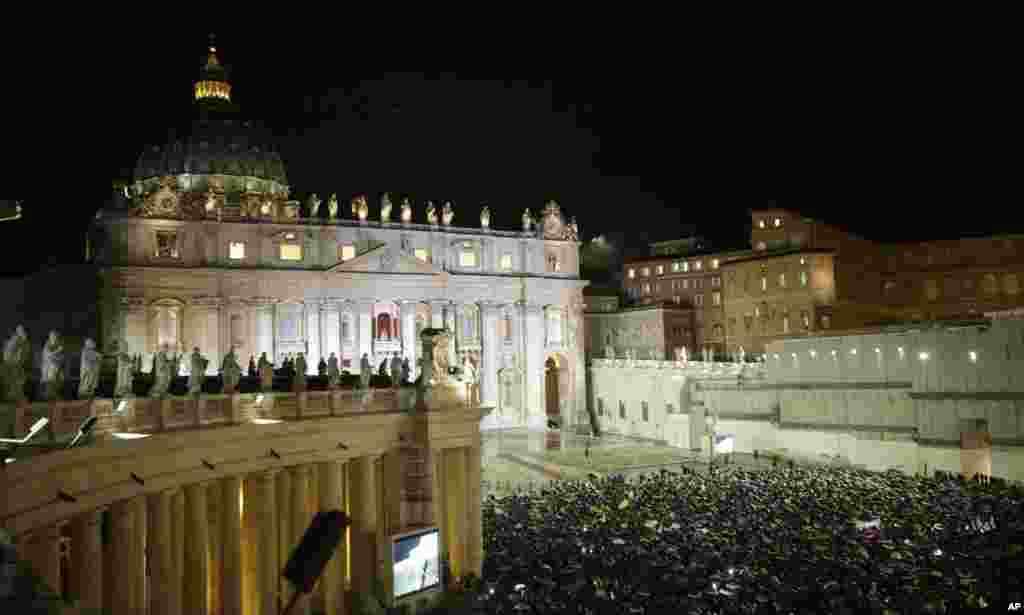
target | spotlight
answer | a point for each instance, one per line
(35, 429)
(266, 421)
(129, 435)
(83, 431)
(65, 497)
(136, 478)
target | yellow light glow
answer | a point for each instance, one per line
(291, 252)
(130, 436)
(241, 501)
(266, 421)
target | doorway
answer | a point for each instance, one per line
(552, 402)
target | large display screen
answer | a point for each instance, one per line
(416, 561)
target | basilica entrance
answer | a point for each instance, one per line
(556, 387)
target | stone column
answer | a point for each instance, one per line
(437, 308)
(140, 556)
(86, 571)
(283, 494)
(325, 345)
(363, 330)
(119, 552)
(264, 508)
(197, 539)
(533, 368)
(474, 531)
(300, 518)
(407, 317)
(42, 551)
(451, 322)
(488, 368)
(165, 593)
(231, 545)
(178, 540)
(456, 499)
(363, 504)
(312, 313)
(332, 498)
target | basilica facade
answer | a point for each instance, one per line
(204, 248)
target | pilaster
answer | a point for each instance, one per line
(488, 369)
(165, 592)
(197, 539)
(363, 532)
(364, 329)
(231, 541)
(86, 571)
(331, 497)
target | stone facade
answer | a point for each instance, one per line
(651, 332)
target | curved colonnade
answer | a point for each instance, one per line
(201, 516)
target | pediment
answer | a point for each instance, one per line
(386, 259)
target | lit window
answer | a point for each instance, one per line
(646, 271)
(166, 244)
(785, 324)
(632, 273)
(421, 254)
(661, 270)
(716, 298)
(803, 278)
(923, 356)
(764, 283)
(762, 245)
(778, 222)
(989, 284)
(803, 260)
(506, 263)
(973, 356)
(760, 223)
(236, 250)
(291, 252)
(698, 299)
(1010, 284)
(714, 263)
(686, 267)
(697, 265)
(348, 252)
(677, 299)
(686, 284)
(782, 280)
(675, 266)
(467, 258)
(757, 311)
(805, 318)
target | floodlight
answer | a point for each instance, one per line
(129, 435)
(83, 431)
(266, 421)
(36, 428)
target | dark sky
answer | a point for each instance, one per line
(623, 146)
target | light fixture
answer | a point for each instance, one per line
(266, 421)
(9, 460)
(814, 353)
(853, 351)
(974, 356)
(878, 350)
(83, 431)
(259, 399)
(923, 356)
(129, 435)
(834, 353)
(32, 432)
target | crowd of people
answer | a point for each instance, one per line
(732, 540)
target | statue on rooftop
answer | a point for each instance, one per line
(314, 205)
(447, 214)
(17, 355)
(527, 220)
(742, 355)
(385, 208)
(485, 217)
(359, 208)
(333, 373)
(197, 372)
(230, 371)
(211, 201)
(332, 207)
(572, 231)
(52, 376)
(431, 213)
(89, 372)
(406, 210)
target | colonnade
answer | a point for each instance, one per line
(219, 546)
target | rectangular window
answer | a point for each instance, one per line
(421, 254)
(622, 409)
(647, 289)
(764, 283)
(600, 406)
(716, 281)
(657, 287)
(698, 299)
(290, 252)
(675, 266)
(236, 250)
(697, 265)
(467, 258)
(506, 262)
(803, 278)
(714, 263)
(646, 272)
(716, 298)
(698, 283)
(686, 267)
(643, 408)
(632, 273)
(661, 270)
(782, 280)
(347, 252)
(785, 324)
(167, 244)
(686, 284)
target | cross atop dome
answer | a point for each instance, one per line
(212, 85)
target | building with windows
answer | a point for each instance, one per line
(804, 276)
(205, 248)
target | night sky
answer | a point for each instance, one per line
(618, 146)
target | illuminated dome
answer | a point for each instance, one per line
(217, 151)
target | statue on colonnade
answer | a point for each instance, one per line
(89, 372)
(266, 373)
(396, 371)
(365, 371)
(52, 373)
(197, 372)
(162, 366)
(299, 378)
(17, 357)
(125, 371)
(333, 373)
(230, 371)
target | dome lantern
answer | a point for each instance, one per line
(212, 85)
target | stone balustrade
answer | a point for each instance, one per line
(202, 515)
